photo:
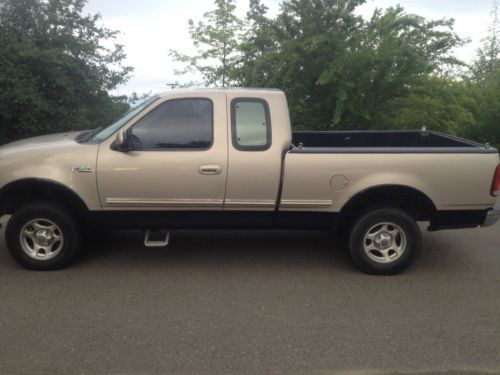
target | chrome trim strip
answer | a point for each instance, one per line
(305, 203)
(487, 205)
(164, 202)
(249, 203)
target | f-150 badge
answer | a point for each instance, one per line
(81, 169)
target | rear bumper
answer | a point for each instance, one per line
(443, 220)
(491, 217)
(464, 219)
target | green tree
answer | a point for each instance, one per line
(397, 58)
(55, 72)
(488, 126)
(260, 37)
(341, 72)
(485, 83)
(488, 55)
(438, 103)
(310, 37)
(216, 40)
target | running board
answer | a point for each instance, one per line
(148, 242)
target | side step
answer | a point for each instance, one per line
(162, 238)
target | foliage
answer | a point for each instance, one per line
(55, 72)
(437, 103)
(485, 84)
(216, 40)
(262, 35)
(487, 126)
(488, 55)
(339, 71)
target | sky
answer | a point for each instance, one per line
(150, 28)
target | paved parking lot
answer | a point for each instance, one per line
(254, 303)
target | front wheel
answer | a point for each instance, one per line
(43, 236)
(385, 241)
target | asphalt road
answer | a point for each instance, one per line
(254, 303)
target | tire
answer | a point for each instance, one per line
(43, 236)
(384, 241)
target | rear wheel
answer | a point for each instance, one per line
(43, 236)
(385, 241)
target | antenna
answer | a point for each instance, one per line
(172, 85)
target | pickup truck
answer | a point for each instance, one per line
(228, 159)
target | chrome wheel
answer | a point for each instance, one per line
(385, 242)
(41, 239)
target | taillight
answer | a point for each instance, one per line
(495, 185)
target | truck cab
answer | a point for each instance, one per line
(218, 151)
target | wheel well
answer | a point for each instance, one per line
(18, 193)
(411, 200)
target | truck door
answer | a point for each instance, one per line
(178, 160)
(255, 151)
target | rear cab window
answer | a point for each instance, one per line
(250, 124)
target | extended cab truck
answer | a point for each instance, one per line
(228, 159)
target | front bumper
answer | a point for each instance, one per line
(492, 217)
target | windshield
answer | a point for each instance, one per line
(108, 131)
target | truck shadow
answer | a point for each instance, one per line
(237, 248)
(453, 251)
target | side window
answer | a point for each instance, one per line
(250, 124)
(175, 124)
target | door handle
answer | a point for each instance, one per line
(210, 169)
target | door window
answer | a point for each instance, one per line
(178, 124)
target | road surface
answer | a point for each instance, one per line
(254, 303)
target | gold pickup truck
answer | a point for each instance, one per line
(228, 159)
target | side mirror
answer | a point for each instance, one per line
(121, 142)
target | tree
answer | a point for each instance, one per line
(216, 41)
(309, 37)
(55, 72)
(260, 37)
(488, 124)
(340, 71)
(488, 55)
(485, 83)
(438, 103)
(397, 57)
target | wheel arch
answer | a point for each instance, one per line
(20, 192)
(418, 204)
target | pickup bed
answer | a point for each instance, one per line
(227, 159)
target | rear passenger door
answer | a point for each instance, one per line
(254, 160)
(178, 161)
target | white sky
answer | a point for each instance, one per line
(149, 28)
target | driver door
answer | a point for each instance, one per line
(178, 159)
